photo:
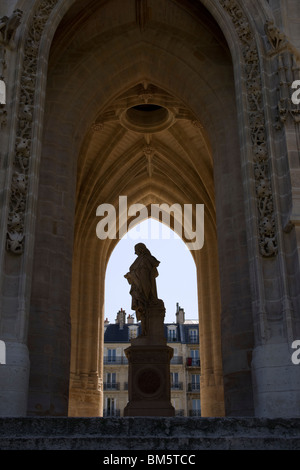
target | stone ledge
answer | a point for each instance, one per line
(58, 433)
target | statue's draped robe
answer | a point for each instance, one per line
(141, 277)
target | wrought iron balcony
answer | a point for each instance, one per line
(194, 387)
(111, 386)
(116, 360)
(177, 386)
(111, 413)
(193, 339)
(172, 339)
(192, 362)
(193, 413)
(176, 360)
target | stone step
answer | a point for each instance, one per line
(159, 434)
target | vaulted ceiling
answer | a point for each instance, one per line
(149, 146)
(144, 93)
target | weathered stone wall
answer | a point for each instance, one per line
(155, 434)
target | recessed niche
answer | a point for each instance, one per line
(147, 118)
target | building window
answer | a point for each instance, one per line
(111, 382)
(111, 355)
(195, 383)
(195, 357)
(110, 407)
(196, 408)
(172, 333)
(193, 336)
(174, 381)
(132, 332)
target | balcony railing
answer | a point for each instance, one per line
(172, 339)
(179, 412)
(193, 413)
(193, 339)
(194, 387)
(111, 413)
(192, 362)
(111, 386)
(177, 386)
(176, 360)
(115, 360)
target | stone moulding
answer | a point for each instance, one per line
(19, 186)
(265, 205)
(288, 68)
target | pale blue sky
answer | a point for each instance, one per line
(177, 272)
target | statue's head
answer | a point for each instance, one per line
(140, 248)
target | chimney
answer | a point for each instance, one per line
(106, 322)
(121, 318)
(180, 315)
(130, 319)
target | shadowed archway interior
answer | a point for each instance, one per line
(142, 104)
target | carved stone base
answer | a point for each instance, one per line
(149, 381)
(152, 323)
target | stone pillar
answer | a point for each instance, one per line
(14, 377)
(85, 397)
(149, 358)
(276, 381)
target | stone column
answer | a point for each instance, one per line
(14, 274)
(14, 376)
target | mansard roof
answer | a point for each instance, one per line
(115, 334)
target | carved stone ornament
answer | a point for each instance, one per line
(276, 38)
(267, 237)
(266, 217)
(18, 193)
(97, 127)
(288, 71)
(149, 154)
(8, 28)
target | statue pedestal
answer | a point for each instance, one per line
(149, 358)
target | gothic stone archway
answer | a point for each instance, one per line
(155, 65)
(177, 53)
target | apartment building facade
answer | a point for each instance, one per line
(182, 336)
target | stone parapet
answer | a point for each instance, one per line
(149, 434)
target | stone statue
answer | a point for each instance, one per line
(276, 37)
(149, 388)
(141, 276)
(8, 27)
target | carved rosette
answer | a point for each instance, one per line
(19, 186)
(266, 217)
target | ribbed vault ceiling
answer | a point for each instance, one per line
(105, 61)
(173, 165)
